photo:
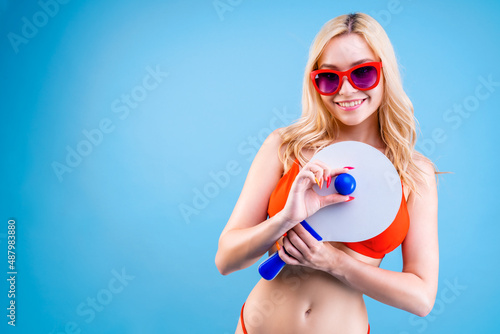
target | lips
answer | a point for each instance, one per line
(350, 103)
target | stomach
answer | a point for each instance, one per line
(303, 300)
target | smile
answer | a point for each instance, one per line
(350, 103)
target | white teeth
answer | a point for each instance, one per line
(350, 104)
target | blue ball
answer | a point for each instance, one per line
(345, 184)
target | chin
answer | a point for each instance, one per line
(353, 119)
(350, 122)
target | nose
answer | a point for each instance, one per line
(346, 88)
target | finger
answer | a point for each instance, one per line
(305, 237)
(318, 170)
(326, 178)
(296, 238)
(307, 176)
(291, 249)
(287, 258)
(334, 199)
(337, 171)
(321, 164)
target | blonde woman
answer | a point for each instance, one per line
(352, 91)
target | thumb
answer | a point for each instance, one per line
(335, 198)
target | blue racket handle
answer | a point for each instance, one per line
(271, 267)
(311, 230)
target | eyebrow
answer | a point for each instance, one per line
(361, 61)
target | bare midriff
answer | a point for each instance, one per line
(303, 300)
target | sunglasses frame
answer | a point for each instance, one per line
(342, 74)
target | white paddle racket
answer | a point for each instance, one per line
(377, 195)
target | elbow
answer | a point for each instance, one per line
(425, 306)
(223, 259)
(221, 264)
(423, 311)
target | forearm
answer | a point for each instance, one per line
(240, 248)
(403, 290)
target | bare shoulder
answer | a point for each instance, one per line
(267, 162)
(263, 175)
(422, 161)
(270, 150)
(426, 185)
(274, 139)
(425, 165)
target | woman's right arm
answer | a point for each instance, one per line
(244, 239)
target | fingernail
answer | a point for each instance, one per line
(350, 199)
(321, 186)
(328, 181)
(349, 167)
(278, 245)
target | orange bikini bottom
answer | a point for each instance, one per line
(245, 330)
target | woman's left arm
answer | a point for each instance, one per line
(414, 289)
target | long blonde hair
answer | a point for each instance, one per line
(317, 127)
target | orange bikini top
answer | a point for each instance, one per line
(375, 247)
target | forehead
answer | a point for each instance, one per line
(342, 51)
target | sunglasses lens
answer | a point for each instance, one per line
(364, 77)
(327, 82)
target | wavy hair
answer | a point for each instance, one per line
(317, 127)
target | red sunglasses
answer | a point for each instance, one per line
(362, 77)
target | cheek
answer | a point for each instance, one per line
(377, 95)
(327, 101)
(329, 105)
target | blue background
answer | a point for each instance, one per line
(234, 74)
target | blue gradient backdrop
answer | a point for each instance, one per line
(122, 237)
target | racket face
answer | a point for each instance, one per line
(377, 195)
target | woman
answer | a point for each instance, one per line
(354, 93)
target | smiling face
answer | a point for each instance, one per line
(349, 105)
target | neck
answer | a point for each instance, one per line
(367, 132)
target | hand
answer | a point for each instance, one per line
(302, 200)
(300, 248)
